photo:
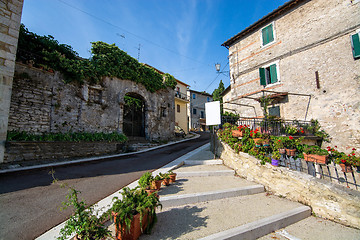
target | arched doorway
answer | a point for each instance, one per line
(134, 115)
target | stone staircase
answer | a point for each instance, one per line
(209, 202)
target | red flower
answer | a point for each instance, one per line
(279, 140)
(343, 161)
(336, 146)
(302, 131)
(251, 134)
(291, 138)
(354, 149)
(353, 154)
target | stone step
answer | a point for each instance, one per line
(203, 162)
(206, 173)
(263, 226)
(203, 219)
(191, 198)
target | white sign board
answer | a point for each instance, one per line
(212, 112)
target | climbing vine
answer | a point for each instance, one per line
(107, 60)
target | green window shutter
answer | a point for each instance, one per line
(270, 33)
(355, 44)
(262, 76)
(264, 36)
(273, 74)
(267, 34)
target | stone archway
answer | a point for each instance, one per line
(134, 115)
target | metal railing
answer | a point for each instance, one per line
(182, 95)
(273, 127)
(330, 172)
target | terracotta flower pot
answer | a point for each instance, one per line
(121, 232)
(237, 133)
(290, 152)
(166, 182)
(345, 168)
(172, 177)
(156, 184)
(150, 191)
(282, 150)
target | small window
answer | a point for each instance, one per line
(208, 99)
(178, 108)
(267, 34)
(95, 95)
(194, 96)
(268, 75)
(163, 112)
(202, 114)
(355, 45)
(194, 111)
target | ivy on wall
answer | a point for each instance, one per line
(107, 60)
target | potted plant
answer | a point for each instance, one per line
(275, 158)
(84, 223)
(354, 160)
(258, 142)
(134, 213)
(256, 135)
(266, 140)
(316, 154)
(172, 176)
(156, 183)
(145, 183)
(166, 178)
(291, 144)
(291, 130)
(278, 144)
(344, 164)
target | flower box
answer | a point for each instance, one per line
(290, 152)
(320, 159)
(346, 168)
(237, 133)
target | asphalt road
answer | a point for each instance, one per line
(30, 203)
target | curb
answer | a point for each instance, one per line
(206, 174)
(192, 198)
(91, 159)
(104, 204)
(263, 226)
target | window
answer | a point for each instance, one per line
(194, 111)
(355, 44)
(95, 95)
(208, 99)
(267, 34)
(268, 75)
(194, 96)
(274, 111)
(163, 112)
(178, 107)
(202, 114)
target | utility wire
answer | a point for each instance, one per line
(135, 35)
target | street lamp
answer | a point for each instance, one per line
(217, 67)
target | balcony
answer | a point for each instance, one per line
(182, 96)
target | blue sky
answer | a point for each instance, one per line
(180, 37)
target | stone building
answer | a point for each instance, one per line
(196, 109)
(9, 32)
(42, 102)
(307, 52)
(181, 106)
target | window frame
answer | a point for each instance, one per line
(274, 35)
(194, 111)
(276, 63)
(193, 96)
(178, 108)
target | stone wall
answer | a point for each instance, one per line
(312, 37)
(42, 102)
(326, 199)
(10, 16)
(57, 151)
